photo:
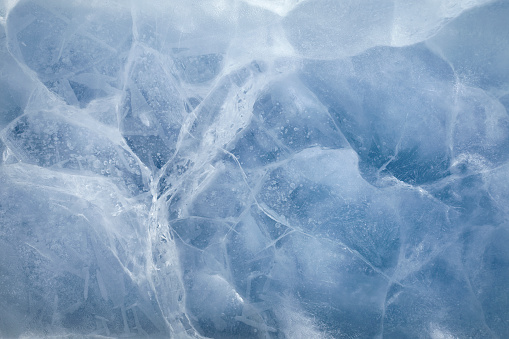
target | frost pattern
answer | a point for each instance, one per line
(254, 169)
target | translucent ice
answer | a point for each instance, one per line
(254, 169)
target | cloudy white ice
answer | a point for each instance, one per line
(254, 169)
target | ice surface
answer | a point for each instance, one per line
(254, 169)
(328, 29)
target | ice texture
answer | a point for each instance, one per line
(254, 169)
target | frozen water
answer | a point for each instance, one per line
(254, 169)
